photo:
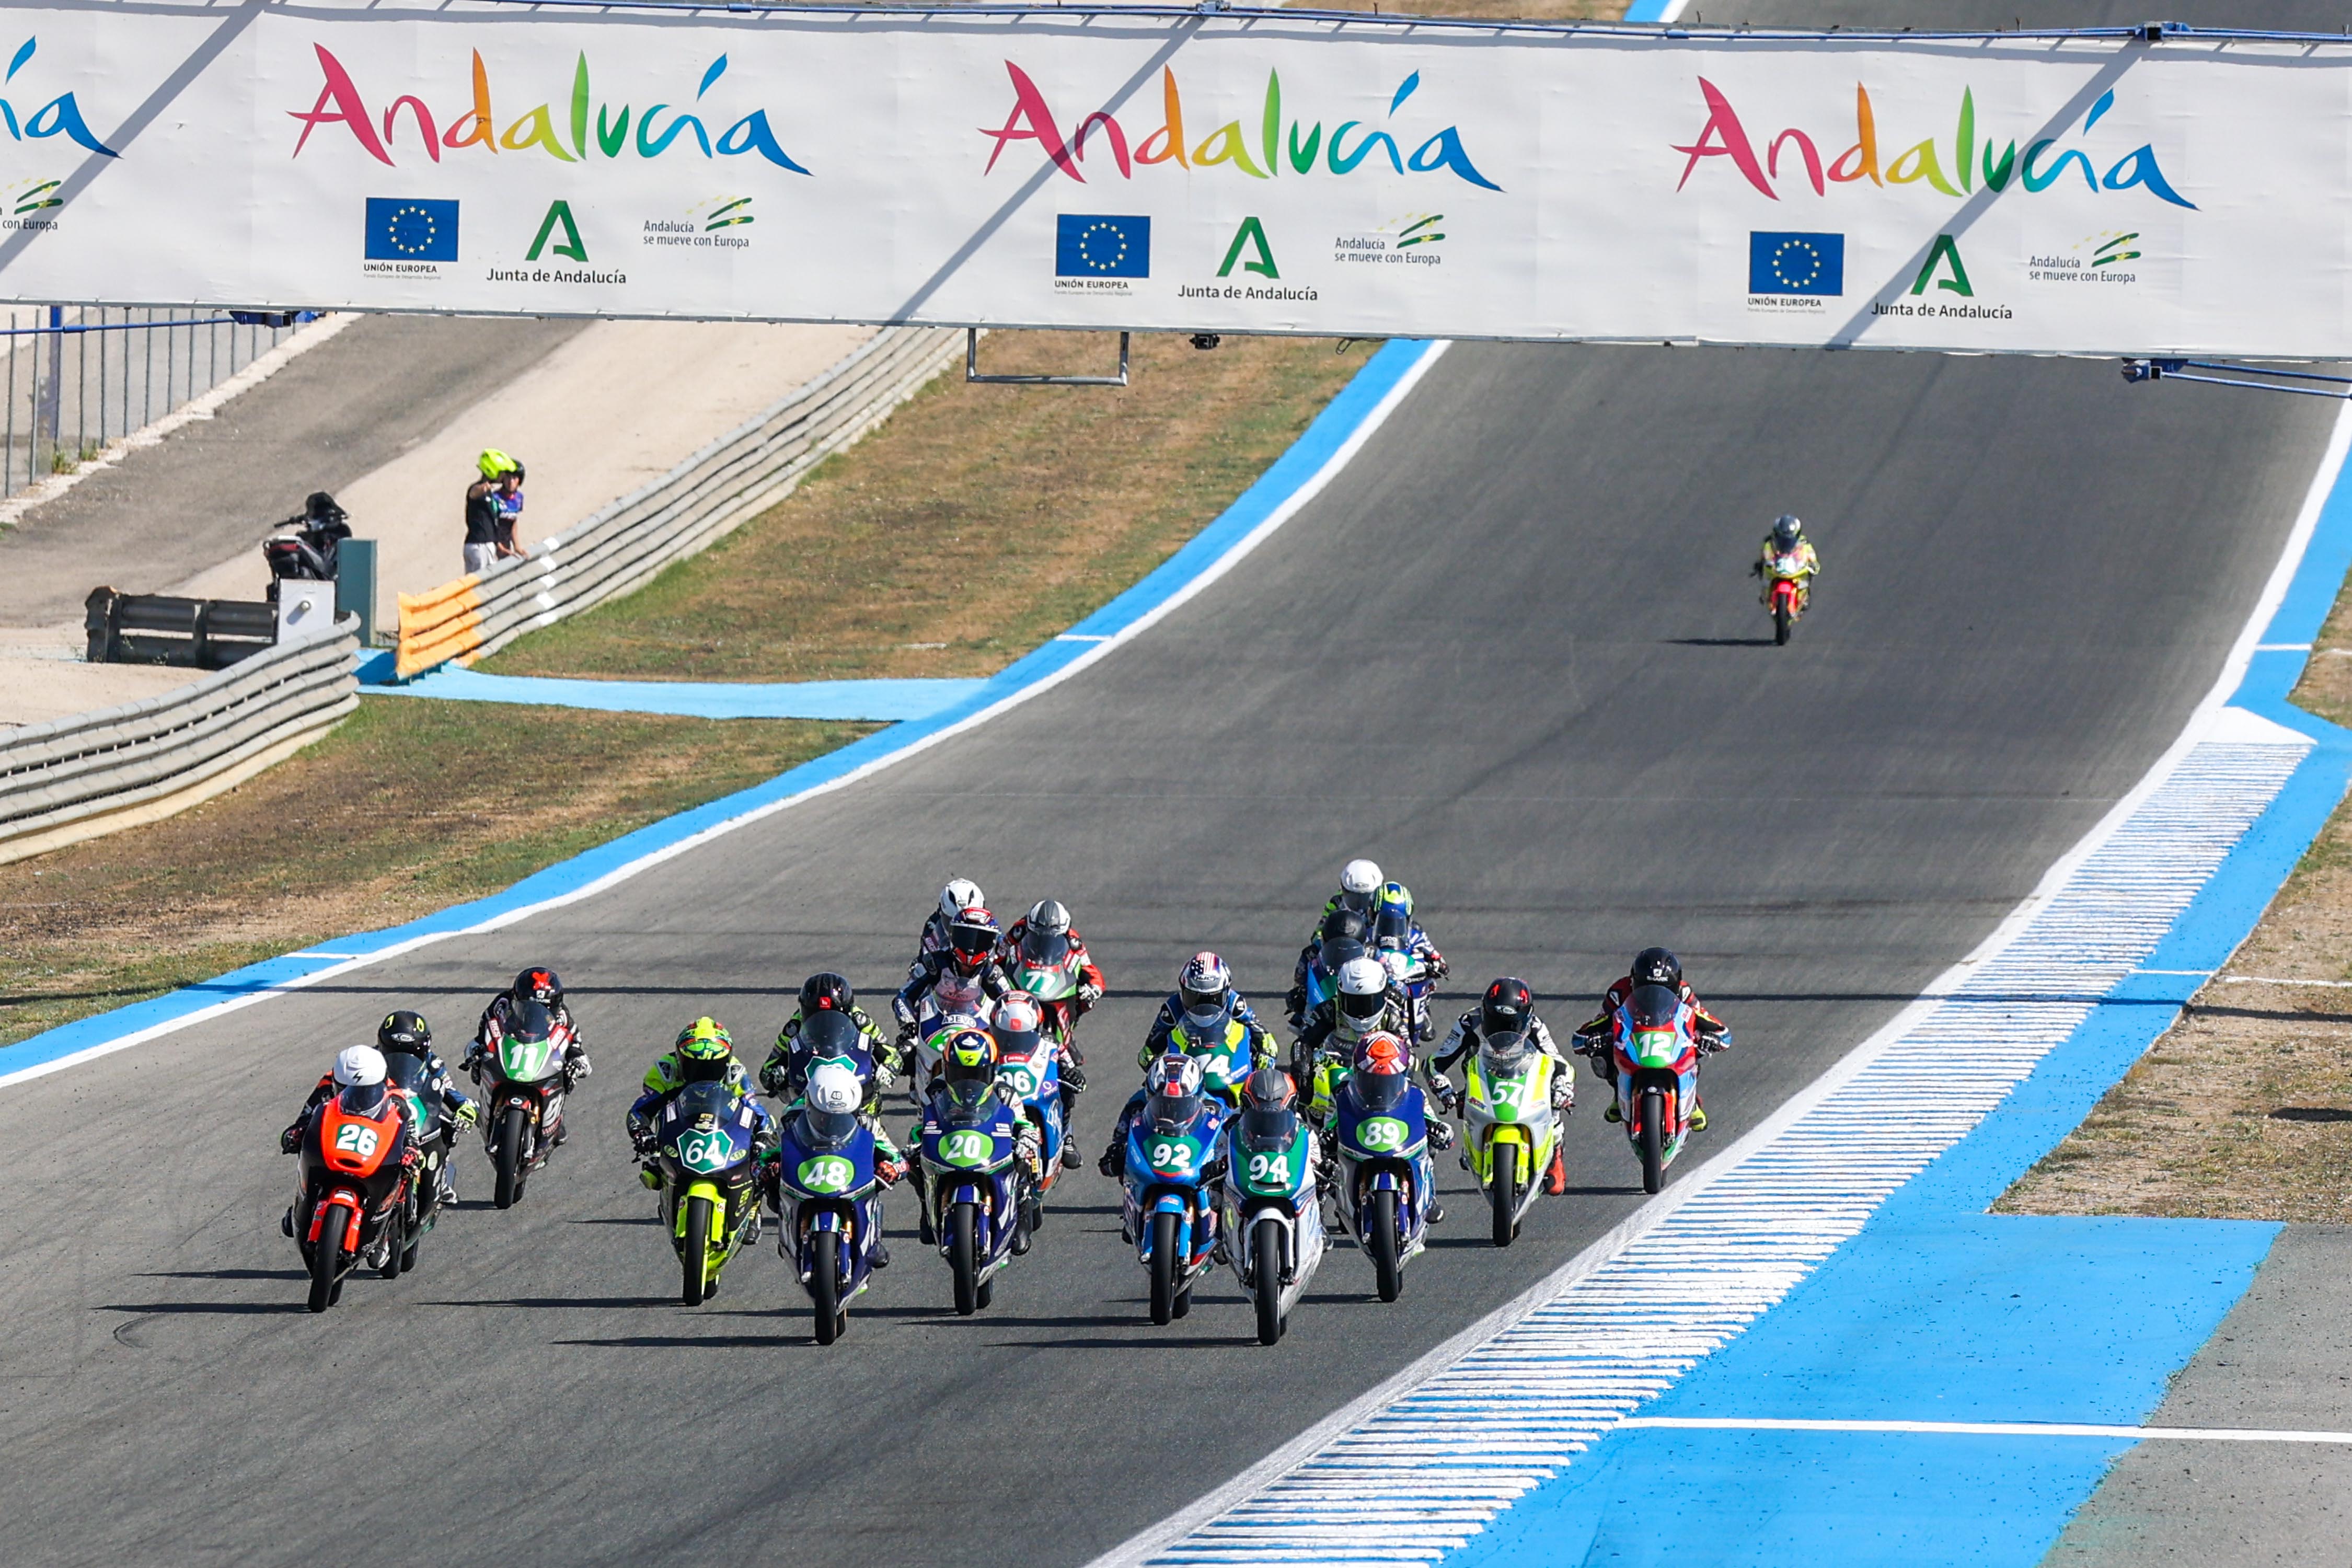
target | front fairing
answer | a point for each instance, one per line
(1263, 1171)
(1400, 1133)
(1225, 1058)
(1046, 981)
(1510, 1090)
(976, 1139)
(534, 1061)
(845, 1172)
(705, 1133)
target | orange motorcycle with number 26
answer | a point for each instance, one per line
(357, 1162)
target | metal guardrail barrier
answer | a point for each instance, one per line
(93, 773)
(628, 544)
(159, 628)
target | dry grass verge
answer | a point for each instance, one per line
(2243, 1110)
(975, 524)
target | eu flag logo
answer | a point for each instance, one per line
(405, 229)
(1086, 246)
(1796, 263)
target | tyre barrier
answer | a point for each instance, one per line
(628, 544)
(93, 773)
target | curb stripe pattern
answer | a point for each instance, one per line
(1420, 1477)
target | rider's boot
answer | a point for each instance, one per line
(1614, 1113)
(1698, 1119)
(1556, 1176)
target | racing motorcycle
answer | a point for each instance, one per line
(1340, 939)
(1274, 1213)
(970, 1157)
(829, 1199)
(433, 1137)
(1046, 966)
(1785, 596)
(1510, 1133)
(357, 1167)
(1223, 1048)
(1387, 1182)
(704, 1152)
(521, 1075)
(1029, 1078)
(1653, 1050)
(954, 1002)
(1165, 1209)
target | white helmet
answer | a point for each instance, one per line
(358, 1066)
(961, 894)
(1360, 885)
(834, 1089)
(1363, 991)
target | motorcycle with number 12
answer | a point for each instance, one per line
(1653, 1050)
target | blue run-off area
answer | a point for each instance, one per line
(1938, 1311)
(1331, 430)
(890, 701)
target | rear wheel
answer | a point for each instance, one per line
(514, 1126)
(963, 1258)
(326, 1262)
(1653, 1139)
(1503, 1188)
(693, 1259)
(1781, 619)
(1387, 1247)
(824, 1287)
(395, 1238)
(1163, 1267)
(1266, 1266)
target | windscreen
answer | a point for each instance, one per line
(823, 1130)
(1381, 1091)
(697, 1101)
(1655, 1007)
(1266, 1130)
(407, 1072)
(531, 1021)
(1506, 1055)
(968, 1104)
(827, 1034)
(1044, 949)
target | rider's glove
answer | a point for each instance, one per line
(890, 1171)
(643, 1143)
(1089, 995)
(1441, 1135)
(1441, 1085)
(468, 1112)
(290, 1140)
(576, 1068)
(906, 1017)
(1756, 568)
(1074, 1078)
(885, 1075)
(1437, 966)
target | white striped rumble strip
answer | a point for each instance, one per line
(1415, 1468)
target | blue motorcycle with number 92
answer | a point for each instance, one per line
(1167, 1212)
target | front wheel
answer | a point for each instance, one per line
(1503, 1188)
(514, 1126)
(1653, 1140)
(326, 1263)
(1781, 618)
(1387, 1247)
(824, 1288)
(1265, 1265)
(963, 1258)
(694, 1260)
(1163, 1267)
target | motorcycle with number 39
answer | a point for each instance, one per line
(1381, 1132)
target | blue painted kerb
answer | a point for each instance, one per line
(1305, 458)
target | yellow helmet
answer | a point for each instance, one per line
(493, 462)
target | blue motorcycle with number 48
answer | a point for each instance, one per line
(970, 1140)
(829, 1197)
(1381, 1132)
(1169, 1211)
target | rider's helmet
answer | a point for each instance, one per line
(403, 1033)
(968, 1055)
(1269, 1109)
(1507, 1008)
(1656, 966)
(1382, 1070)
(832, 1104)
(973, 937)
(1360, 885)
(704, 1052)
(1364, 991)
(961, 894)
(826, 993)
(358, 1079)
(493, 462)
(1045, 933)
(539, 983)
(1017, 1021)
(1786, 531)
(1202, 984)
(1171, 1093)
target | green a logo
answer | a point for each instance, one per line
(1945, 249)
(1251, 233)
(559, 213)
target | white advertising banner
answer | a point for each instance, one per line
(1235, 172)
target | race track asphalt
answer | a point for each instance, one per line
(1513, 653)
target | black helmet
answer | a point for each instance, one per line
(826, 993)
(1656, 966)
(539, 983)
(1344, 924)
(1508, 1007)
(403, 1033)
(1786, 530)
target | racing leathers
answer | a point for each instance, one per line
(663, 1080)
(460, 1110)
(1809, 569)
(1259, 1051)
(785, 1074)
(1592, 1040)
(1467, 1035)
(1172, 1012)
(935, 976)
(1328, 1041)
